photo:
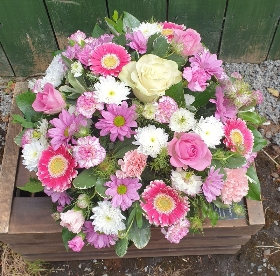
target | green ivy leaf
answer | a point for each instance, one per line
(176, 92)
(85, 180)
(33, 186)
(67, 236)
(121, 247)
(129, 22)
(97, 31)
(140, 236)
(160, 46)
(259, 141)
(254, 184)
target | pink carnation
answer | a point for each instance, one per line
(165, 108)
(76, 244)
(197, 78)
(78, 36)
(62, 198)
(132, 164)
(72, 220)
(236, 185)
(137, 41)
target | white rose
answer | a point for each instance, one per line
(150, 76)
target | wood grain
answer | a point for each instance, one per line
(5, 68)
(274, 53)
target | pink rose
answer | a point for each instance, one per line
(49, 101)
(76, 244)
(188, 149)
(72, 220)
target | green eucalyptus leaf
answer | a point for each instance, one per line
(85, 180)
(33, 186)
(176, 92)
(160, 46)
(140, 236)
(67, 236)
(254, 184)
(121, 247)
(129, 22)
(97, 31)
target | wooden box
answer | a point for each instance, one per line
(27, 226)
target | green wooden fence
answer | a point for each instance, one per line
(237, 30)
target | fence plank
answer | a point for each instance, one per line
(141, 9)
(5, 68)
(274, 53)
(26, 36)
(69, 16)
(206, 17)
(249, 29)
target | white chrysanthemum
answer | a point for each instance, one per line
(211, 130)
(110, 91)
(55, 72)
(150, 140)
(31, 154)
(107, 219)
(77, 69)
(150, 110)
(148, 29)
(189, 99)
(182, 120)
(186, 182)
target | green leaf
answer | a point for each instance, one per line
(251, 117)
(67, 236)
(121, 40)
(129, 22)
(254, 184)
(100, 188)
(20, 120)
(120, 153)
(160, 46)
(220, 204)
(259, 141)
(119, 26)
(67, 61)
(112, 26)
(140, 236)
(97, 31)
(178, 59)
(150, 43)
(76, 83)
(33, 186)
(115, 15)
(235, 161)
(24, 102)
(121, 247)
(131, 216)
(214, 216)
(176, 92)
(18, 138)
(122, 144)
(85, 180)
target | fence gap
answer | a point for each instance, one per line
(222, 30)
(273, 37)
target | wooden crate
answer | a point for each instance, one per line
(27, 226)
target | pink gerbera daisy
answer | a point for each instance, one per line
(97, 239)
(108, 59)
(123, 191)
(66, 125)
(238, 137)
(56, 169)
(162, 204)
(88, 152)
(118, 121)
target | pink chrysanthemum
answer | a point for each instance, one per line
(224, 108)
(162, 204)
(123, 191)
(118, 121)
(177, 231)
(87, 104)
(76, 244)
(61, 198)
(165, 108)
(208, 62)
(78, 36)
(169, 27)
(137, 41)
(132, 164)
(238, 137)
(236, 185)
(108, 59)
(213, 184)
(97, 239)
(88, 152)
(66, 125)
(56, 169)
(197, 78)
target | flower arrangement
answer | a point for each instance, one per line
(138, 128)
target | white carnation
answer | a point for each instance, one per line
(148, 29)
(182, 120)
(107, 219)
(211, 130)
(150, 140)
(77, 69)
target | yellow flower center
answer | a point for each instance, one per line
(57, 166)
(66, 133)
(121, 190)
(167, 32)
(164, 203)
(110, 61)
(119, 121)
(236, 137)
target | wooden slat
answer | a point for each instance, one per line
(248, 31)
(274, 53)
(26, 36)
(143, 10)
(206, 17)
(5, 68)
(9, 163)
(69, 16)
